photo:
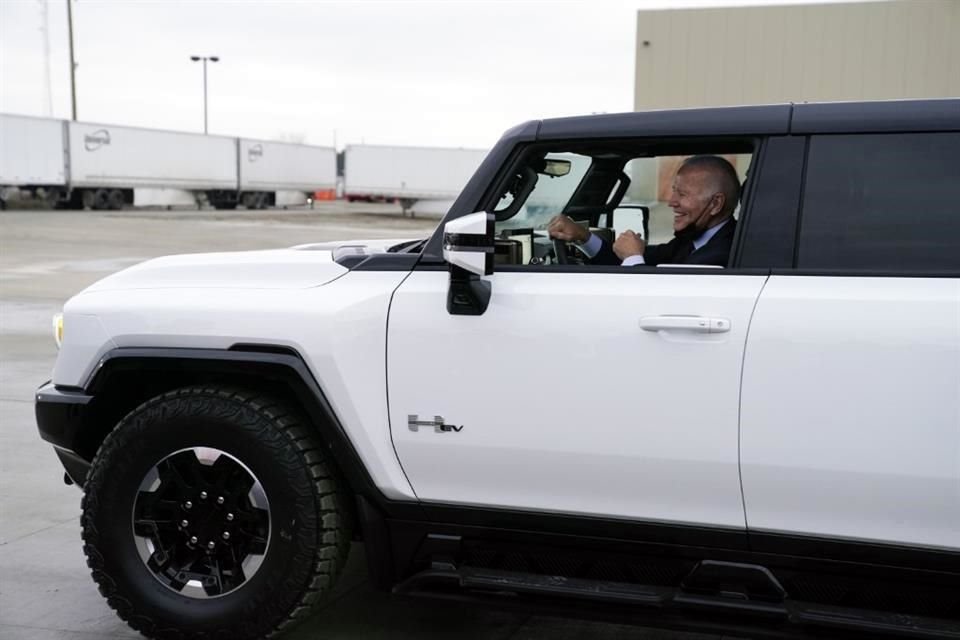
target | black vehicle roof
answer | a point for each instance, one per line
(776, 119)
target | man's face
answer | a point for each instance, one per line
(692, 199)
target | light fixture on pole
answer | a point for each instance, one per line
(204, 59)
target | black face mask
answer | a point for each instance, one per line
(693, 230)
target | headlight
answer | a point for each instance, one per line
(58, 329)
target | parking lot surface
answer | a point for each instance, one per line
(46, 592)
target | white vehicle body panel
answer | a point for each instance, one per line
(268, 269)
(32, 151)
(566, 404)
(409, 172)
(851, 409)
(272, 166)
(339, 329)
(128, 157)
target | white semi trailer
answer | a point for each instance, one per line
(32, 158)
(272, 170)
(407, 174)
(99, 166)
(107, 162)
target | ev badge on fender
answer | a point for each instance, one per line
(436, 423)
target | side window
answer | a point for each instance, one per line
(549, 195)
(882, 202)
(605, 188)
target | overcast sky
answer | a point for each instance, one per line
(443, 73)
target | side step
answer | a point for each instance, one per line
(559, 586)
(446, 579)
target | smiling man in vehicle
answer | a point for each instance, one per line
(703, 198)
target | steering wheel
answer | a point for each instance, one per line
(560, 251)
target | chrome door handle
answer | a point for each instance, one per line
(693, 324)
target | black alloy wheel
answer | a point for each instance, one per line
(201, 521)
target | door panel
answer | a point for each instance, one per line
(566, 403)
(851, 409)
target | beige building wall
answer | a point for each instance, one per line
(820, 52)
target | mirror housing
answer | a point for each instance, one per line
(468, 247)
(468, 243)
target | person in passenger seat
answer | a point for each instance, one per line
(705, 194)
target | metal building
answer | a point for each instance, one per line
(793, 53)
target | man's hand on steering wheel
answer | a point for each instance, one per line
(564, 228)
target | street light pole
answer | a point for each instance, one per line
(73, 64)
(204, 59)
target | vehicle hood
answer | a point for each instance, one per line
(299, 267)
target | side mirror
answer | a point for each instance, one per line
(468, 247)
(468, 243)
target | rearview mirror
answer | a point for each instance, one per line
(555, 168)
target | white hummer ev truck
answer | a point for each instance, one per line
(770, 448)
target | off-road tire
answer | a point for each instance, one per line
(309, 514)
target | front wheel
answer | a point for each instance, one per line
(213, 511)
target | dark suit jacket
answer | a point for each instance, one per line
(715, 252)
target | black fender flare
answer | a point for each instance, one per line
(279, 364)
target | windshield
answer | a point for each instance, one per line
(550, 195)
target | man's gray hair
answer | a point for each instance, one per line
(726, 182)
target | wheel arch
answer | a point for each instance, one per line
(126, 377)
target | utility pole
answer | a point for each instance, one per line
(73, 65)
(204, 59)
(45, 30)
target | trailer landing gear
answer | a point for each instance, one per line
(406, 205)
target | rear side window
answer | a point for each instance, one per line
(882, 202)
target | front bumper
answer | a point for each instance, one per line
(61, 414)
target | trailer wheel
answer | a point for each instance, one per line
(115, 200)
(101, 199)
(213, 512)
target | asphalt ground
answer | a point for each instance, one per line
(46, 592)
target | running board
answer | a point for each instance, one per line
(617, 592)
(444, 579)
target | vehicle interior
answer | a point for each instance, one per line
(608, 186)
